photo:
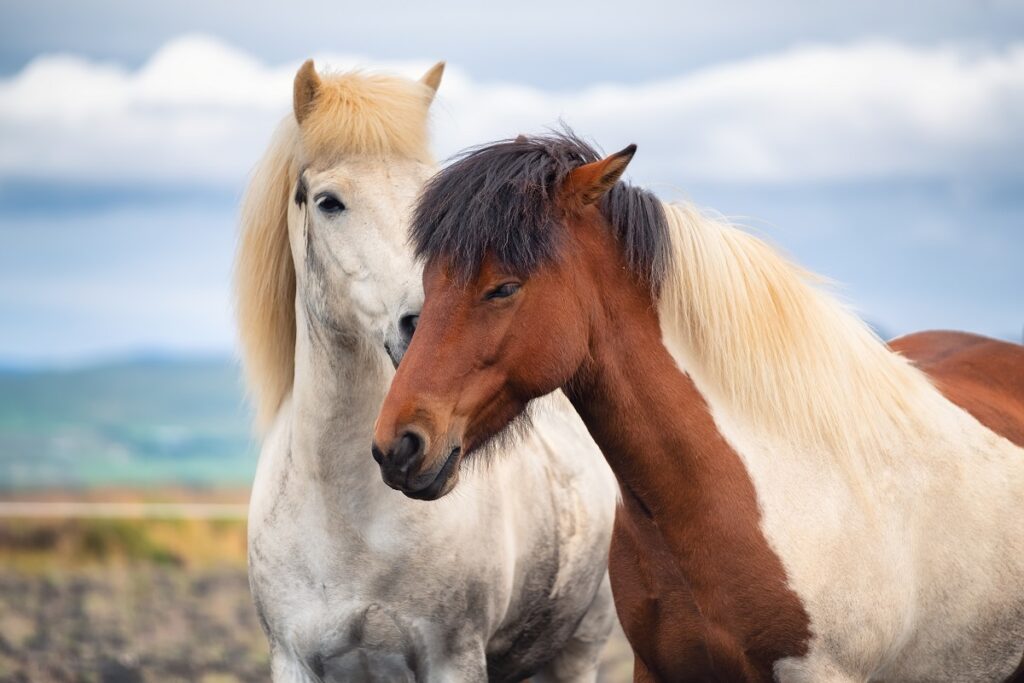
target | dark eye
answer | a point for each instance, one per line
(329, 204)
(503, 291)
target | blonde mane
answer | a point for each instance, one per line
(759, 337)
(352, 113)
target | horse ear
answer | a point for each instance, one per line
(432, 79)
(307, 86)
(589, 182)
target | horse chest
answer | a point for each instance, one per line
(661, 615)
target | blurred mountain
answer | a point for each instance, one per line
(143, 421)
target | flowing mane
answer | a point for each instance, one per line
(760, 336)
(355, 113)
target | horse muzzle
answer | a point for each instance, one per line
(402, 467)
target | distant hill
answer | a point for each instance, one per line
(138, 422)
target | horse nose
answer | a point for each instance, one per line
(401, 462)
(407, 326)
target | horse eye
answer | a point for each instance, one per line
(329, 204)
(503, 291)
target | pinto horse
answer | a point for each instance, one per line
(799, 501)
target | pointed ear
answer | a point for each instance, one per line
(589, 182)
(432, 79)
(307, 85)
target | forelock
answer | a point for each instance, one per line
(498, 198)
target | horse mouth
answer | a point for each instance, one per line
(443, 482)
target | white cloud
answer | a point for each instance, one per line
(201, 112)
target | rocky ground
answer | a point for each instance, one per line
(129, 625)
(127, 601)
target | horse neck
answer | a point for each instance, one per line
(339, 386)
(652, 424)
(673, 465)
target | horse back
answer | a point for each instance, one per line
(983, 376)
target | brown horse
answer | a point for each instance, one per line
(801, 503)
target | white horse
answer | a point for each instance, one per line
(352, 580)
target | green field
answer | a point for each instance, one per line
(134, 423)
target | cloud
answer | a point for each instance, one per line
(86, 268)
(201, 112)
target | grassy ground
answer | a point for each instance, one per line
(126, 601)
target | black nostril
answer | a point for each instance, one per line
(407, 326)
(378, 455)
(409, 447)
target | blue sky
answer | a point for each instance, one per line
(878, 145)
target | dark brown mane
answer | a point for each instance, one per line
(500, 198)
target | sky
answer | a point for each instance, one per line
(879, 146)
